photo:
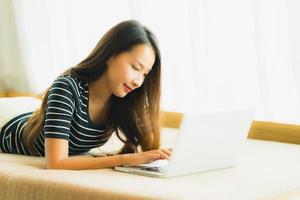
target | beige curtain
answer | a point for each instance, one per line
(12, 71)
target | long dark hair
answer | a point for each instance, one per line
(137, 114)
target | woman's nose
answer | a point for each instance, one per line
(138, 81)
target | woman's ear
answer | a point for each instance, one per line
(109, 60)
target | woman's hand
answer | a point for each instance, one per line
(147, 156)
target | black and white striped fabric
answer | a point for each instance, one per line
(66, 117)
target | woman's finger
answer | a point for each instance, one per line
(154, 156)
(164, 155)
(166, 151)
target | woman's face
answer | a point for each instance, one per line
(127, 71)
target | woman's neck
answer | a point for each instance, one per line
(99, 91)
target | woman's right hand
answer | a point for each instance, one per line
(147, 156)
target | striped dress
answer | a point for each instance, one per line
(66, 117)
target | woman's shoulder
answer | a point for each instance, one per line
(72, 85)
(72, 81)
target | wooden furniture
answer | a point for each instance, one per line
(262, 130)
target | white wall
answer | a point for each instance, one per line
(58, 34)
(215, 53)
(10, 55)
(294, 31)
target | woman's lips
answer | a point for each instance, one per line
(128, 89)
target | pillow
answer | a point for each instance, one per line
(13, 106)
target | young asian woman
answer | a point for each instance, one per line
(115, 89)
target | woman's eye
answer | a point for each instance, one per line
(135, 68)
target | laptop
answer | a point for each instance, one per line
(205, 142)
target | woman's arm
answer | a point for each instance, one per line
(56, 153)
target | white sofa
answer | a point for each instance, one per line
(266, 171)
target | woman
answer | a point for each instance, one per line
(116, 88)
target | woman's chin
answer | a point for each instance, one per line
(120, 94)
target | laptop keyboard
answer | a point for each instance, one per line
(154, 169)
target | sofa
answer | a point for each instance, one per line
(268, 170)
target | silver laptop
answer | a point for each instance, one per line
(205, 142)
